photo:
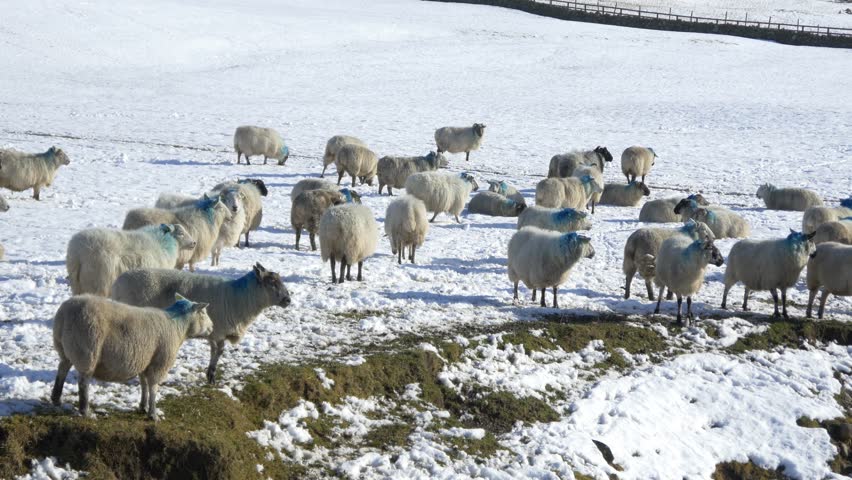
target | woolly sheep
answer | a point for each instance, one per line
(114, 342)
(4, 207)
(768, 265)
(495, 205)
(637, 162)
(307, 210)
(796, 199)
(829, 268)
(543, 258)
(442, 192)
(251, 141)
(624, 195)
(406, 226)
(393, 171)
(203, 221)
(643, 247)
(723, 222)
(357, 161)
(503, 188)
(333, 146)
(596, 174)
(234, 303)
(680, 267)
(317, 184)
(565, 192)
(20, 171)
(172, 201)
(96, 257)
(563, 220)
(816, 216)
(348, 233)
(459, 139)
(252, 191)
(839, 231)
(662, 210)
(564, 164)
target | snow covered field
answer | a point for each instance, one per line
(144, 99)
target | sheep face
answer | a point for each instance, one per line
(59, 155)
(806, 239)
(586, 244)
(711, 253)
(442, 160)
(232, 199)
(272, 285)
(351, 196)
(763, 190)
(479, 129)
(682, 204)
(200, 325)
(285, 154)
(604, 153)
(470, 179)
(181, 236)
(699, 199)
(261, 187)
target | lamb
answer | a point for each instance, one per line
(251, 190)
(234, 303)
(796, 199)
(114, 342)
(624, 195)
(333, 146)
(348, 233)
(816, 216)
(543, 258)
(21, 171)
(594, 172)
(503, 188)
(564, 164)
(840, 232)
(637, 162)
(563, 220)
(406, 226)
(643, 247)
(356, 161)
(662, 210)
(768, 265)
(393, 171)
(203, 222)
(680, 266)
(829, 268)
(307, 210)
(495, 205)
(565, 192)
(441, 192)
(251, 141)
(459, 139)
(723, 222)
(96, 257)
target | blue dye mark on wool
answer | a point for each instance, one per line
(181, 308)
(693, 249)
(166, 239)
(243, 283)
(285, 152)
(347, 194)
(567, 241)
(503, 188)
(846, 203)
(587, 179)
(208, 206)
(565, 215)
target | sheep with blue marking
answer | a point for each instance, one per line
(596, 173)
(307, 210)
(234, 303)
(662, 210)
(114, 342)
(566, 192)
(494, 205)
(794, 199)
(723, 222)
(637, 162)
(251, 141)
(21, 171)
(563, 220)
(334, 145)
(839, 231)
(768, 265)
(624, 195)
(252, 190)
(816, 216)
(394, 171)
(406, 225)
(357, 161)
(318, 184)
(442, 192)
(828, 269)
(460, 139)
(503, 188)
(348, 234)
(543, 259)
(564, 164)
(680, 267)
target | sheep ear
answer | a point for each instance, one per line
(179, 297)
(260, 267)
(258, 273)
(165, 228)
(811, 235)
(199, 306)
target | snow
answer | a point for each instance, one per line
(47, 469)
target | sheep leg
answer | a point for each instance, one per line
(83, 386)
(412, 253)
(822, 302)
(650, 289)
(143, 404)
(238, 157)
(593, 207)
(191, 266)
(629, 278)
(216, 350)
(61, 374)
(643, 178)
(322, 175)
(390, 191)
(659, 299)
(534, 293)
(360, 266)
(248, 162)
(353, 181)
(348, 273)
(333, 271)
(745, 299)
(247, 241)
(342, 269)
(774, 293)
(725, 296)
(265, 159)
(555, 303)
(627, 177)
(298, 236)
(153, 386)
(515, 298)
(466, 156)
(811, 298)
(784, 303)
(339, 177)
(679, 306)
(543, 302)
(434, 217)
(313, 241)
(669, 294)
(457, 219)
(399, 249)
(689, 307)
(36, 191)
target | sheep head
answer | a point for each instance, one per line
(711, 253)
(604, 153)
(470, 179)
(284, 154)
(699, 199)
(763, 190)
(180, 234)
(272, 285)
(261, 187)
(645, 190)
(479, 129)
(195, 314)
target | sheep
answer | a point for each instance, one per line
(307, 210)
(406, 226)
(317, 184)
(495, 205)
(333, 146)
(543, 258)
(680, 267)
(563, 220)
(203, 221)
(96, 257)
(114, 342)
(662, 210)
(441, 192)
(637, 162)
(4, 207)
(21, 171)
(348, 233)
(643, 247)
(234, 303)
(624, 195)
(839, 231)
(596, 174)
(393, 171)
(564, 164)
(768, 265)
(251, 190)
(723, 222)
(566, 192)
(172, 201)
(357, 161)
(795, 199)
(816, 216)
(250, 141)
(828, 267)
(459, 139)
(503, 188)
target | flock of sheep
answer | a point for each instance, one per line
(133, 304)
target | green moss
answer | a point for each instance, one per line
(746, 471)
(484, 447)
(792, 334)
(386, 437)
(498, 412)
(573, 337)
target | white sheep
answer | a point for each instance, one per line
(96, 257)
(662, 210)
(333, 145)
(566, 192)
(723, 222)
(680, 267)
(442, 192)
(234, 303)
(564, 164)
(594, 172)
(348, 233)
(252, 190)
(816, 216)
(829, 268)
(173, 201)
(311, 184)
(637, 162)
(768, 265)
(4, 207)
(544, 258)
(839, 231)
(624, 195)
(503, 188)
(357, 161)
(406, 226)
(307, 210)
(21, 171)
(394, 171)
(495, 205)
(250, 141)
(563, 220)
(114, 342)
(460, 139)
(795, 199)
(230, 231)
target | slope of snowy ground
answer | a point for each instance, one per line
(144, 98)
